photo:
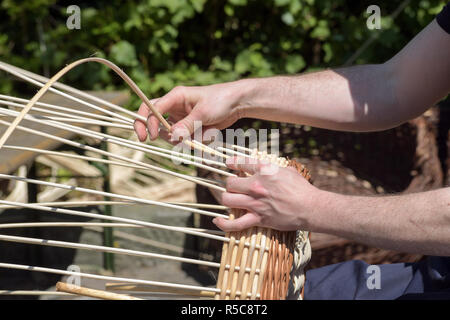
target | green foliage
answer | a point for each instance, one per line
(164, 43)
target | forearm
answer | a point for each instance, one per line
(416, 223)
(359, 98)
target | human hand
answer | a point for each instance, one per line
(280, 199)
(215, 106)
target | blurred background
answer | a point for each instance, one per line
(164, 43)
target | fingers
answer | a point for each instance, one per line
(248, 220)
(164, 104)
(249, 165)
(139, 126)
(237, 200)
(248, 185)
(179, 102)
(185, 127)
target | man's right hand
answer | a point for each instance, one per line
(215, 106)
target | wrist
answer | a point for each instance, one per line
(242, 94)
(262, 98)
(327, 212)
(253, 97)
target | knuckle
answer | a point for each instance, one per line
(229, 183)
(257, 188)
(264, 220)
(142, 108)
(201, 113)
(225, 199)
(255, 205)
(179, 90)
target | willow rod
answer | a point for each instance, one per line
(65, 95)
(55, 78)
(33, 293)
(124, 220)
(95, 203)
(85, 121)
(68, 111)
(77, 156)
(93, 293)
(108, 278)
(83, 246)
(89, 224)
(114, 218)
(119, 141)
(67, 68)
(112, 66)
(39, 80)
(112, 155)
(58, 85)
(112, 195)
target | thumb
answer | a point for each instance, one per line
(185, 127)
(248, 220)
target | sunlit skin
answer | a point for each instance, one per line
(360, 98)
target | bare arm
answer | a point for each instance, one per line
(416, 223)
(361, 98)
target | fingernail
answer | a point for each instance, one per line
(214, 220)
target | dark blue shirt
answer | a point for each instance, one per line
(443, 18)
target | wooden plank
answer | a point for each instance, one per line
(10, 160)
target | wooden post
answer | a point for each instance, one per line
(87, 292)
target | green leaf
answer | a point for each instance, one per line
(123, 53)
(322, 31)
(328, 52)
(288, 18)
(238, 2)
(280, 3)
(294, 63)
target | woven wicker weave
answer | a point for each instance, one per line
(261, 263)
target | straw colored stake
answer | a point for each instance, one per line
(98, 151)
(224, 259)
(245, 261)
(63, 71)
(107, 278)
(97, 203)
(114, 218)
(156, 289)
(264, 263)
(118, 141)
(252, 262)
(108, 194)
(68, 111)
(230, 271)
(87, 292)
(56, 77)
(26, 75)
(82, 246)
(33, 293)
(242, 258)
